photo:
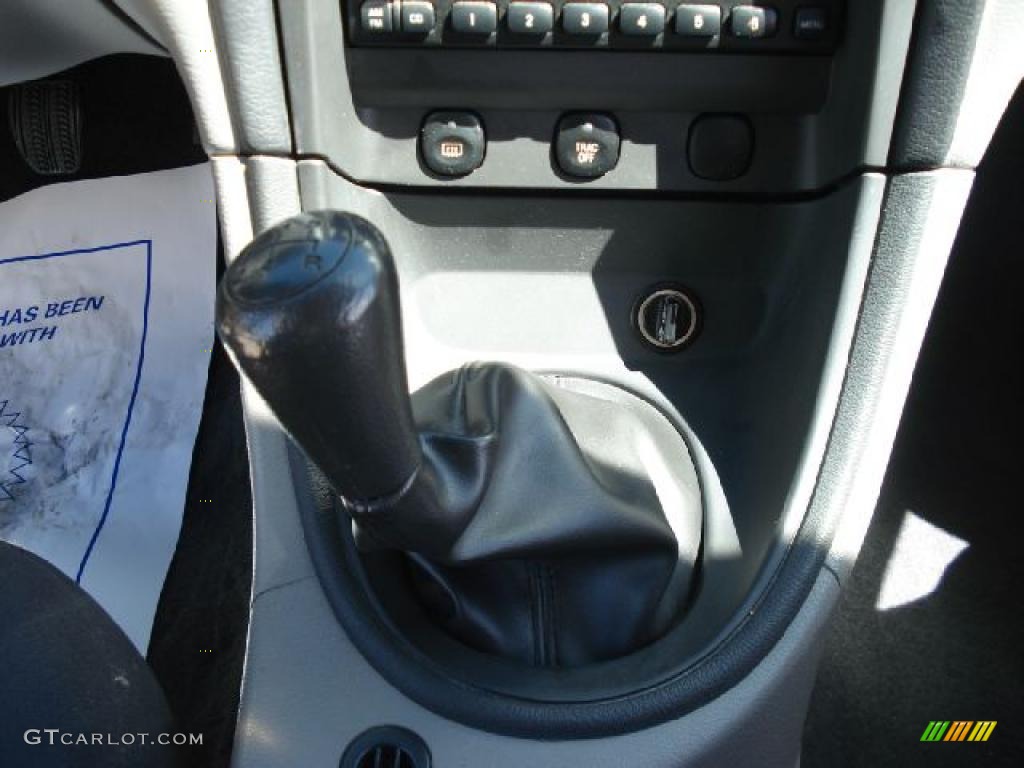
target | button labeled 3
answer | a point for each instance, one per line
(585, 19)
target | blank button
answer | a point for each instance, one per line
(720, 147)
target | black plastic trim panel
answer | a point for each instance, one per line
(783, 39)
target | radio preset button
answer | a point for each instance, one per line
(642, 19)
(698, 20)
(585, 19)
(474, 18)
(530, 18)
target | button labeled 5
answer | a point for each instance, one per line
(698, 20)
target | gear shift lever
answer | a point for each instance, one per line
(554, 520)
(311, 316)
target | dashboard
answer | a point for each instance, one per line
(783, 111)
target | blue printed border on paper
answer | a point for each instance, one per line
(135, 385)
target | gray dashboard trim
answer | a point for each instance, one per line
(966, 63)
(255, 79)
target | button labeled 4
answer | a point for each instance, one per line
(642, 19)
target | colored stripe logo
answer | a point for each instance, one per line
(958, 730)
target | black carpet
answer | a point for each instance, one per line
(198, 642)
(957, 653)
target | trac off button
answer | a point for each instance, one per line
(452, 143)
(587, 146)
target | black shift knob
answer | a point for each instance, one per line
(310, 313)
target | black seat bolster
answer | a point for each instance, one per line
(67, 666)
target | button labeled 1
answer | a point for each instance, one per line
(474, 18)
(587, 146)
(530, 18)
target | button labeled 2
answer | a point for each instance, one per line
(530, 18)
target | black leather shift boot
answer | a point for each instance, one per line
(553, 520)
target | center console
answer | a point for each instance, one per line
(654, 274)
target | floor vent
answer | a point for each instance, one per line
(386, 747)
